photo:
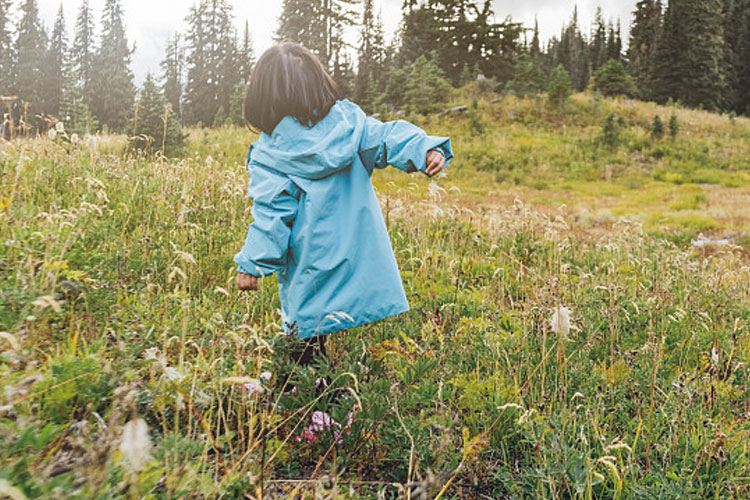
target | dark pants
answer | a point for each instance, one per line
(315, 346)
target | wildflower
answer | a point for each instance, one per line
(75, 139)
(52, 133)
(560, 322)
(135, 446)
(253, 387)
(323, 422)
(60, 127)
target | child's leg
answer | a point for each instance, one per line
(313, 346)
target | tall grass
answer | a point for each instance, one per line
(118, 310)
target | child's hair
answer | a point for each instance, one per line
(288, 80)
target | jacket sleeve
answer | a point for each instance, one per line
(275, 202)
(399, 144)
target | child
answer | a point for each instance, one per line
(317, 223)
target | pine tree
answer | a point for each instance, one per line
(112, 84)
(644, 36)
(737, 54)
(6, 49)
(426, 88)
(559, 88)
(300, 22)
(598, 41)
(690, 57)
(214, 68)
(535, 51)
(54, 66)
(528, 78)
(246, 55)
(612, 79)
(74, 109)
(614, 42)
(743, 70)
(461, 32)
(31, 47)
(152, 135)
(318, 25)
(172, 70)
(572, 53)
(83, 53)
(371, 58)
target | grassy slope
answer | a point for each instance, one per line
(646, 397)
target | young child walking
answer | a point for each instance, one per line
(317, 223)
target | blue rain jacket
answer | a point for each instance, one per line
(317, 223)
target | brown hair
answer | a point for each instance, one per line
(288, 80)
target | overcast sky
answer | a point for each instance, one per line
(151, 22)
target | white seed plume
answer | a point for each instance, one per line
(560, 322)
(135, 446)
(10, 491)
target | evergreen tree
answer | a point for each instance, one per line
(152, 135)
(172, 70)
(113, 92)
(535, 51)
(690, 56)
(612, 79)
(368, 83)
(572, 53)
(743, 49)
(54, 66)
(614, 42)
(737, 54)
(644, 35)
(213, 65)
(6, 49)
(74, 109)
(237, 104)
(300, 23)
(528, 78)
(599, 47)
(246, 55)
(559, 88)
(83, 53)
(31, 48)
(426, 89)
(318, 25)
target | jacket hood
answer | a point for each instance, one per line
(312, 152)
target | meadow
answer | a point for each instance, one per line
(580, 321)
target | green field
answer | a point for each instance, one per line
(118, 302)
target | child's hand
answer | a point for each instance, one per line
(435, 162)
(246, 282)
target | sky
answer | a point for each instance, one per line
(151, 22)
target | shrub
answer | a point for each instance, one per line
(674, 126)
(612, 79)
(657, 128)
(611, 130)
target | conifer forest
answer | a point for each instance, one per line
(578, 277)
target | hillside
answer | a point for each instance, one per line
(567, 337)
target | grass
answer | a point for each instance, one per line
(118, 304)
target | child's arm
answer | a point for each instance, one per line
(275, 201)
(401, 145)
